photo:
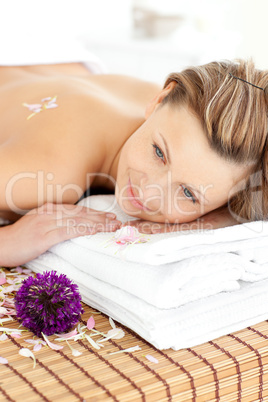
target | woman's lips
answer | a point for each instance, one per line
(133, 199)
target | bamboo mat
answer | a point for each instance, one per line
(230, 368)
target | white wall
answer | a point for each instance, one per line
(250, 19)
(50, 18)
(234, 27)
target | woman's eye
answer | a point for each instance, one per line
(158, 152)
(188, 194)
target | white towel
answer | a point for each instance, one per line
(185, 326)
(178, 304)
(169, 247)
(164, 286)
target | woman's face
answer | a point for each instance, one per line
(168, 173)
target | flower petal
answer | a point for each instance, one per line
(50, 106)
(3, 310)
(129, 235)
(3, 337)
(33, 341)
(15, 335)
(128, 350)
(9, 330)
(151, 359)
(37, 343)
(9, 289)
(27, 271)
(28, 353)
(75, 352)
(92, 343)
(111, 321)
(50, 344)
(3, 360)
(53, 99)
(37, 347)
(2, 278)
(18, 268)
(90, 323)
(68, 335)
(75, 337)
(116, 333)
(34, 107)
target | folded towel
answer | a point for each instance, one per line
(185, 326)
(176, 304)
(164, 248)
(164, 286)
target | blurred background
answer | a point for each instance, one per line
(144, 38)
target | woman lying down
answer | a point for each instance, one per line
(189, 154)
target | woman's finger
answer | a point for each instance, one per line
(103, 225)
(61, 210)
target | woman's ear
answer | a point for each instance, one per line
(158, 99)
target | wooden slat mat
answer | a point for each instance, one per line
(230, 368)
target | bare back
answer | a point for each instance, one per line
(55, 154)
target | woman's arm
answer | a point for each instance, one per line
(48, 225)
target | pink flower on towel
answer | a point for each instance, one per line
(129, 235)
(47, 103)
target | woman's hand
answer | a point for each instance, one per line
(48, 225)
(216, 219)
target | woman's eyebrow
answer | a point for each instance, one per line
(167, 150)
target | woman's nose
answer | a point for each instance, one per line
(156, 194)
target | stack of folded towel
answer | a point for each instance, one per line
(175, 290)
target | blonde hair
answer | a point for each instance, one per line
(234, 117)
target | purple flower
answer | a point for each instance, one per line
(49, 303)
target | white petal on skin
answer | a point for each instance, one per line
(51, 106)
